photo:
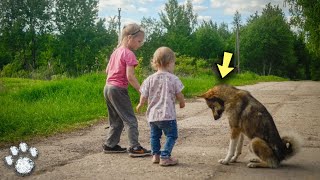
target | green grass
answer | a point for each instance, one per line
(31, 108)
(197, 85)
(35, 108)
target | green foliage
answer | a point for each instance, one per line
(303, 59)
(315, 66)
(190, 66)
(10, 70)
(154, 32)
(258, 42)
(75, 21)
(4, 55)
(305, 15)
(22, 22)
(45, 39)
(179, 22)
(178, 18)
(139, 71)
(15, 68)
(79, 42)
(209, 42)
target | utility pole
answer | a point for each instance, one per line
(238, 48)
(236, 22)
(119, 22)
(235, 50)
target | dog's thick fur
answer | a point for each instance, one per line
(247, 116)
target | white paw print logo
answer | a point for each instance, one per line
(21, 159)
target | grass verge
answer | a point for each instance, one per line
(35, 108)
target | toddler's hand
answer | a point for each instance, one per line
(182, 104)
(138, 107)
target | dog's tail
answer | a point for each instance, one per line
(293, 144)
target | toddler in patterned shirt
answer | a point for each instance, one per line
(160, 90)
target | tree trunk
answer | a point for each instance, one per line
(264, 69)
(33, 50)
(270, 67)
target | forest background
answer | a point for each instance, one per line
(52, 39)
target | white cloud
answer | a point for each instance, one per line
(197, 1)
(143, 10)
(243, 6)
(218, 3)
(105, 5)
(217, 10)
(198, 8)
(125, 21)
(145, 1)
(204, 18)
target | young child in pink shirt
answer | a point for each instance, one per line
(120, 72)
(160, 90)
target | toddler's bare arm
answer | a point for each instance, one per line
(180, 98)
(141, 103)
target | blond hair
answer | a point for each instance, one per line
(132, 29)
(162, 57)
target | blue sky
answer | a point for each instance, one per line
(216, 10)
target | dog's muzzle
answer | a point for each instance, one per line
(216, 117)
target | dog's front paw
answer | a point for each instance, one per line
(252, 165)
(256, 160)
(223, 161)
(234, 159)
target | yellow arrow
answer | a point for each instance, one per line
(225, 69)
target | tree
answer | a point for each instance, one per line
(305, 15)
(253, 17)
(104, 41)
(267, 44)
(178, 18)
(38, 16)
(154, 32)
(179, 22)
(39, 38)
(75, 21)
(223, 31)
(208, 43)
(303, 58)
(23, 23)
(11, 30)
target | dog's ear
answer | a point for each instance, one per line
(209, 94)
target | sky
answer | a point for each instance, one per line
(216, 10)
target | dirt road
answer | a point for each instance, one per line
(202, 141)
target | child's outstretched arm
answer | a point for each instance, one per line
(132, 78)
(180, 98)
(141, 103)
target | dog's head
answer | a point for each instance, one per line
(214, 103)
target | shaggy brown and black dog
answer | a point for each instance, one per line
(247, 116)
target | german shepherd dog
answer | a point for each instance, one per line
(247, 116)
